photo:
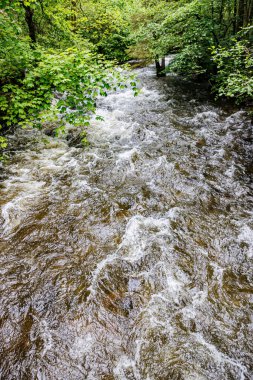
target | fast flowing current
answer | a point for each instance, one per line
(131, 259)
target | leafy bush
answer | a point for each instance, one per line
(44, 80)
(61, 86)
(106, 28)
(190, 62)
(15, 52)
(234, 77)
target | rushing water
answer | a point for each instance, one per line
(132, 259)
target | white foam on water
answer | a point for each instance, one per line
(82, 346)
(174, 287)
(203, 119)
(100, 267)
(194, 376)
(218, 274)
(28, 182)
(139, 232)
(236, 118)
(15, 210)
(134, 239)
(113, 109)
(46, 335)
(41, 375)
(110, 128)
(173, 213)
(127, 156)
(219, 357)
(42, 329)
(198, 299)
(230, 172)
(125, 367)
(246, 236)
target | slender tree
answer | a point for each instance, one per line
(29, 18)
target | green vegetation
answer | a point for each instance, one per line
(77, 76)
(234, 64)
(211, 39)
(57, 56)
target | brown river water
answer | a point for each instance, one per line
(131, 259)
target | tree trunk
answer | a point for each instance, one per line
(245, 13)
(240, 14)
(248, 12)
(160, 67)
(234, 17)
(74, 12)
(221, 11)
(29, 12)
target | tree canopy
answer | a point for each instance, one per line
(211, 38)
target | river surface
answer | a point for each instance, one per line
(131, 259)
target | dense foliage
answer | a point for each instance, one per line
(73, 76)
(51, 67)
(211, 38)
(57, 56)
(234, 78)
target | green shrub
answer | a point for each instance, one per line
(61, 86)
(15, 52)
(234, 77)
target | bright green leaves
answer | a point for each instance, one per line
(15, 53)
(58, 79)
(106, 26)
(190, 61)
(234, 77)
(29, 3)
(3, 142)
(188, 29)
(63, 87)
(3, 145)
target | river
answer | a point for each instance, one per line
(131, 259)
